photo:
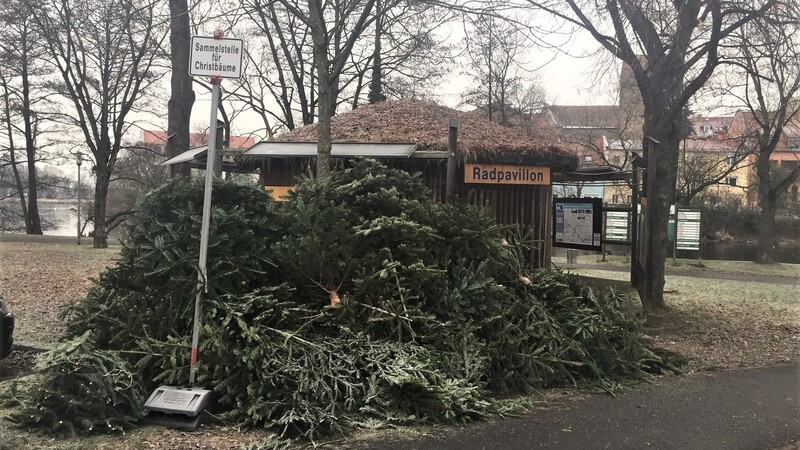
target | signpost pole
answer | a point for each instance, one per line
(202, 278)
(79, 162)
(216, 58)
(675, 247)
(452, 162)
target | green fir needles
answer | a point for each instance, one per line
(359, 302)
(81, 390)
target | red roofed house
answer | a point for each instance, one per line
(159, 138)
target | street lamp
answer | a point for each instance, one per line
(79, 161)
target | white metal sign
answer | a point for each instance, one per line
(617, 225)
(688, 232)
(215, 57)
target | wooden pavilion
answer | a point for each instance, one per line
(460, 155)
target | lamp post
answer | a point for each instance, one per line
(79, 161)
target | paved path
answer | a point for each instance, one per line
(699, 274)
(742, 409)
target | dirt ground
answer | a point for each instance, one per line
(40, 278)
(715, 323)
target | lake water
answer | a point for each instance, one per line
(729, 251)
(785, 252)
(64, 213)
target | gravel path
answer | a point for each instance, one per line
(702, 274)
(742, 409)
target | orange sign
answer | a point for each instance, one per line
(278, 193)
(494, 174)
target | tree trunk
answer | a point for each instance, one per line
(13, 158)
(180, 103)
(376, 82)
(769, 204)
(766, 232)
(326, 95)
(100, 240)
(662, 165)
(324, 130)
(30, 144)
(654, 239)
(33, 198)
(20, 190)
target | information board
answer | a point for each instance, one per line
(688, 229)
(577, 223)
(617, 226)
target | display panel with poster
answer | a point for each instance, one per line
(578, 223)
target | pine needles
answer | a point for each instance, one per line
(81, 390)
(359, 302)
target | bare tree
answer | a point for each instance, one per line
(282, 56)
(103, 51)
(768, 59)
(137, 169)
(672, 49)
(21, 52)
(335, 28)
(396, 55)
(12, 162)
(404, 57)
(12, 219)
(705, 164)
(495, 48)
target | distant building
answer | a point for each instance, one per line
(714, 154)
(711, 127)
(159, 138)
(786, 155)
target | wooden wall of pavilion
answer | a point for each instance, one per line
(525, 209)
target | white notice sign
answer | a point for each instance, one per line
(688, 232)
(216, 57)
(617, 225)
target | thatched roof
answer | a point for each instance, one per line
(426, 124)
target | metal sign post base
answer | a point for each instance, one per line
(177, 407)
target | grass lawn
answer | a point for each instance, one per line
(724, 323)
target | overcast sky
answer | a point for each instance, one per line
(571, 77)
